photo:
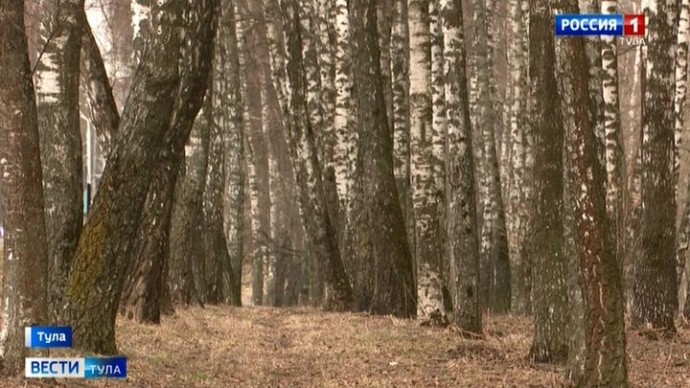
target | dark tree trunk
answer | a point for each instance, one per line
(99, 94)
(605, 359)
(143, 293)
(25, 262)
(550, 343)
(186, 255)
(57, 96)
(218, 266)
(104, 251)
(394, 289)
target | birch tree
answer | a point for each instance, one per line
(429, 283)
(342, 125)
(655, 285)
(518, 186)
(218, 267)
(25, 260)
(681, 76)
(615, 162)
(231, 100)
(400, 76)
(550, 342)
(462, 221)
(57, 96)
(394, 292)
(605, 358)
(102, 257)
(186, 256)
(306, 164)
(100, 100)
(494, 243)
(146, 293)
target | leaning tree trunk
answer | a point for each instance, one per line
(104, 250)
(461, 191)
(186, 255)
(605, 358)
(656, 284)
(146, 293)
(99, 94)
(394, 291)
(57, 96)
(218, 269)
(550, 343)
(306, 164)
(25, 262)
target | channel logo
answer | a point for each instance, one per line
(89, 367)
(600, 25)
(46, 337)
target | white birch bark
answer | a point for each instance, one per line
(518, 128)
(57, 96)
(681, 76)
(342, 123)
(429, 282)
(679, 108)
(462, 221)
(438, 125)
(614, 155)
(655, 286)
(141, 24)
(325, 18)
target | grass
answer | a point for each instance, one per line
(259, 347)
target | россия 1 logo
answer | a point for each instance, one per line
(601, 25)
(43, 337)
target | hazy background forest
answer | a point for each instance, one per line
(341, 192)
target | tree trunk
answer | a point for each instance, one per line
(681, 73)
(307, 166)
(605, 357)
(25, 262)
(494, 240)
(400, 76)
(218, 267)
(186, 255)
(550, 343)
(57, 96)
(99, 94)
(227, 65)
(146, 291)
(615, 162)
(462, 212)
(394, 291)
(429, 266)
(518, 203)
(342, 122)
(104, 250)
(656, 284)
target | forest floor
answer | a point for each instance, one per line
(266, 347)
